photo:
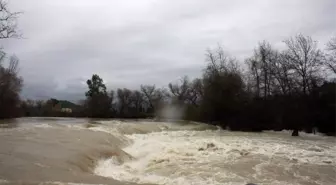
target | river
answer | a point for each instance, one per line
(82, 151)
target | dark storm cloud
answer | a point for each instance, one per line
(129, 43)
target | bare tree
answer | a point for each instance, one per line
(330, 60)
(10, 82)
(332, 44)
(219, 62)
(280, 71)
(8, 24)
(181, 90)
(260, 70)
(160, 97)
(187, 92)
(265, 52)
(137, 99)
(305, 59)
(124, 100)
(223, 86)
(254, 75)
(196, 92)
(269, 71)
(198, 87)
(149, 94)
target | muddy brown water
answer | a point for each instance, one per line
(82, 151)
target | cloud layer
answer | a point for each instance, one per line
(133, 42)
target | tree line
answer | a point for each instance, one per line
(273, 90)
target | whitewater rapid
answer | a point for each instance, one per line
(196, 155)
(119, 152)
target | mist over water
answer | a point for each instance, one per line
(172, 111)
(148, 152)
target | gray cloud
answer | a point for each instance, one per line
(129, 43)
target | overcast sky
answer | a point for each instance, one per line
(133, 42)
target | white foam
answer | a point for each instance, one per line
(183, 157)
(114, 122)
(43, 125)
(65, 183)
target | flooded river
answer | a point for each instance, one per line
(80, 151)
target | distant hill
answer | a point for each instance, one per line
(67, 104)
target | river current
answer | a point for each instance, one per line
(82, 151)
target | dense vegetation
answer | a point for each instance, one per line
(270, 90)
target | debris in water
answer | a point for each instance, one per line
(210, 145)
(161, 160)
(295, 133)
(244, 153)
(315, 149)
(294, 160)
